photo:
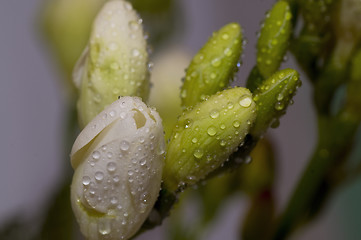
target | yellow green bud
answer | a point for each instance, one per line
(206, 135)
(115, 63)
(272, 99)
(118, 161)
(274, 37)
(214, 66)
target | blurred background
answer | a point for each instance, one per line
(33, 105)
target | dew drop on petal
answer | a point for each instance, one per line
(99, 176)
(198, 153)
(86, 180)
(124, 145)
(111, 166)
(96, 155)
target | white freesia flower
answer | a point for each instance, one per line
(118, 161)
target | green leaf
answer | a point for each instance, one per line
(272, 99)
(206, 135)
(213, 66)
(274, 37)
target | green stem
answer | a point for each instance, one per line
(334, 143)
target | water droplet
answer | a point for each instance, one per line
(187, 123)
(111, 166)
(130, 172)
(135, 52)
(228, 52)
(128, 6)
(133, 25)
(99, 176)
(124, 145)
(183, 93)
(211, 131)
(112, 113)
(214, 114)
(86, 180)
(216, 62)
(123, 115)
(245, 101)
(143, 161)
(96, 155)
(275, 123)
(279, 106)
(194, 140)
(225, 36)
(236, 124)
(248, 159)
(229, 105)
(114, 200)
(280, 97)
(222, 126)
(198, 153)
(104, 227)
(223, 143)
(116, 178)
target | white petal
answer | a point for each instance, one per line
(118, 159)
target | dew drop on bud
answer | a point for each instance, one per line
(245, 101)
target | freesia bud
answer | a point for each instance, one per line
(214, 65)
(118, 160)
(273, 97)
(114, 62)
(206, 135)
(274, 37)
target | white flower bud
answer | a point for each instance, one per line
(115, 62)
(118, 161)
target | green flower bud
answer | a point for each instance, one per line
(213, 66)
(274, 37)
(67, 25)
(316, 14)
(118, 161)
(115, 62)
(206, 135)
(272, 99)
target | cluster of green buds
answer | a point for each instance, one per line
(120, 157)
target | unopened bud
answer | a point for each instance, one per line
(115, 61)
(206, 135)
(214, 66)
(118, 161)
